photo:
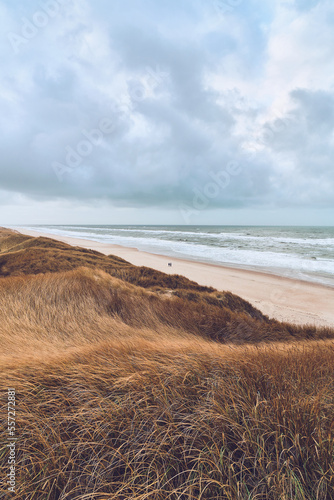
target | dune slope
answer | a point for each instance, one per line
(147, 386)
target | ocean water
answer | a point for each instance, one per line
(305, 253)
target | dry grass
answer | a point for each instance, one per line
(124, 393)
(20, 255)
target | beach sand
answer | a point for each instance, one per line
(281, 298)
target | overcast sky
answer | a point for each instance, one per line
(167, 111)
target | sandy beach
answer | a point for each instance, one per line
(281, 298)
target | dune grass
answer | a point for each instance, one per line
(20, 254)
(124, 392)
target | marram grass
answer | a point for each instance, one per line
(124, 392)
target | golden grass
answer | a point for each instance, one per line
(123, 393)
(20, 255)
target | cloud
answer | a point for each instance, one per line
(304, 140)
(143, 104)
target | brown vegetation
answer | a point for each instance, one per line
(21, 254)
(124, 392)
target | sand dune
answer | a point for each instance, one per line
(130, 383)
(281, 298)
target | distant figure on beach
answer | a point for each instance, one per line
(170, 264)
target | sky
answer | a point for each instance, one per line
(167, 112)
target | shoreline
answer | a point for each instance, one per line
(279, 297)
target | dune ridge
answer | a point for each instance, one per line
(285, 299)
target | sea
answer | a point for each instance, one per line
(305, 253)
